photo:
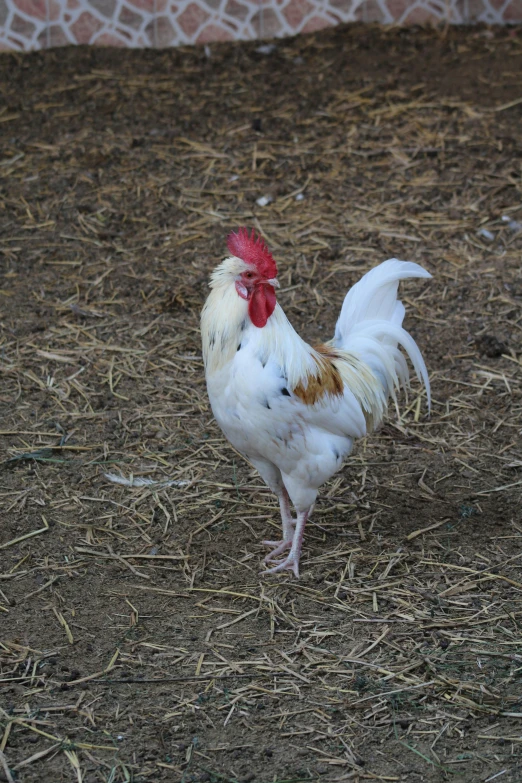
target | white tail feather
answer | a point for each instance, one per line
(370, 325)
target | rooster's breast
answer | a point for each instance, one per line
(263, 419)
(252, 405)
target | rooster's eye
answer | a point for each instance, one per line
(249, 274)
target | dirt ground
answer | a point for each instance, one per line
(138, 641)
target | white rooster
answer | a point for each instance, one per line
(292, 410)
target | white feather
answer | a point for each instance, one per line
(140, 481)
(370, 324)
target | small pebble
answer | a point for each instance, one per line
(513, 225)
(263, 201)
(266, 49)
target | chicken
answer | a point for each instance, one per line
(291, 410)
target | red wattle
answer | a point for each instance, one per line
(261, 304)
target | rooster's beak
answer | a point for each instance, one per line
(275, 282)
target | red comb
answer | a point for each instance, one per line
(252, 249)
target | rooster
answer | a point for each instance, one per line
(291, 410)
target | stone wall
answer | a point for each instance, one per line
(37, 24)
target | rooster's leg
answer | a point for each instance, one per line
(288, 528)
(292, 561)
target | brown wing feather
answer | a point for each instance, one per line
(327, 379)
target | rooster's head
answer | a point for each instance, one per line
(253, 271)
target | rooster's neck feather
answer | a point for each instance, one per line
(225, 322)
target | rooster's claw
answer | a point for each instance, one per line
(279, 547)
(290, 564)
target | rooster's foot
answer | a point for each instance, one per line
(292, 561)
(279, 547)
(290, 564)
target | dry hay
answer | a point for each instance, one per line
(138, 642)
